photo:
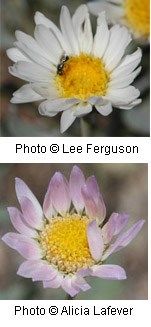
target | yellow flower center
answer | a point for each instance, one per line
(82, 77)
(137, 14)
(65, 245)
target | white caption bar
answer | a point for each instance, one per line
(109, 313)
(62, 150)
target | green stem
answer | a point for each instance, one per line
(85, 129)
(70, 297)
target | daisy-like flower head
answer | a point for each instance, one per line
(62, 243)
(135, 14)
(72, 70)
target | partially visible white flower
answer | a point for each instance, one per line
(72, 71)
(135, 14)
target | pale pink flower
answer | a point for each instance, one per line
(67, 240)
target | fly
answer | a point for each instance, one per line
(61, 65)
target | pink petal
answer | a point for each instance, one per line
(47, 205)
(17, 221)
(27, 247)
(80, 284)
(11, 239)
(60, 193)
(28, 268)
(30, 214)
(93, 188)
(76, 181)
(90, 206)
(83, 272)
(114, 225)
(95, 240)
(22, 190)
(109, 272)
(109, 228)
(54, 283)
(121, 222)
(45, 272)
(67, 286)
(124, 239)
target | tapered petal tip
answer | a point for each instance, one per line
(4, 239)
(9, 239)
(76, 182)
(76, 170)
(61, 199)
(95, 240)
(112, 272)
(141, 223)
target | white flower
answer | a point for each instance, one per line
(74, 71)
(132, 13)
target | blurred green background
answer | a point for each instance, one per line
(124, 188)
(24, 119)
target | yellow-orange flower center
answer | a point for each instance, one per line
(82, 76)
(64, 243)
(137, 14)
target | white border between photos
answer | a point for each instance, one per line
(141, 313)
(74, 149)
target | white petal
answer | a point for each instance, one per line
(31, 72)
(116, 1)
(133, 104)
(51, 107)
(68, 31)
(41, 19)
(124, 80)
(67, 119)
(33, 56)
(128, 64)
(96, 100)
(113, 13)
(30, 47)
(105, 109)
(101, 37)
(49, 43)
(16, 55)
(82, 109)
(87, 37)
(25, 94)
(78, 21)
(118, 41)
(46, 90)
(123, 96)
